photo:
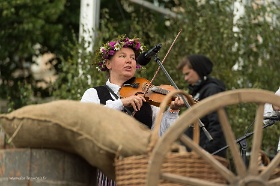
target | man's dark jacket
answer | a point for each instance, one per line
(207, 88)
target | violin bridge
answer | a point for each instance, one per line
(146, 86)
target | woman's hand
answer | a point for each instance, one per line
(177, 103)
(275, 108)
(133, 101)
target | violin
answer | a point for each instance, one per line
(153, 94)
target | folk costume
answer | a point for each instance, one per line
(101, 95)
(146, 115)
(109, 94)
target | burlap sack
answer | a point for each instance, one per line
(90, 130)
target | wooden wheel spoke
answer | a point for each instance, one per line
(209, 159)
(244, 177)
(190, 181)
(257, 138)
(195, 136)
(184, 139)
(231, 141)
(271, 166)
(274, 182)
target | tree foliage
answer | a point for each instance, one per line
(25, 24)
(244, 51)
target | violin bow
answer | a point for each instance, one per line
(187, 104)
(163, 60)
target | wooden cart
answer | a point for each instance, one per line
(244, 175)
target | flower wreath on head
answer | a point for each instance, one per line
(110, 48)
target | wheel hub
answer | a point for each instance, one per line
(252, 181)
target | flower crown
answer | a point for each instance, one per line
(110, 48)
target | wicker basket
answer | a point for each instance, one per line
(132, 170)
(263, 162)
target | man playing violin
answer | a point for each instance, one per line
(118, 59)
(196, 70)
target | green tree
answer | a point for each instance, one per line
(244, 58)
(24, 24)
(241, 60)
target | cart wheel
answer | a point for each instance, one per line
(243, 176)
